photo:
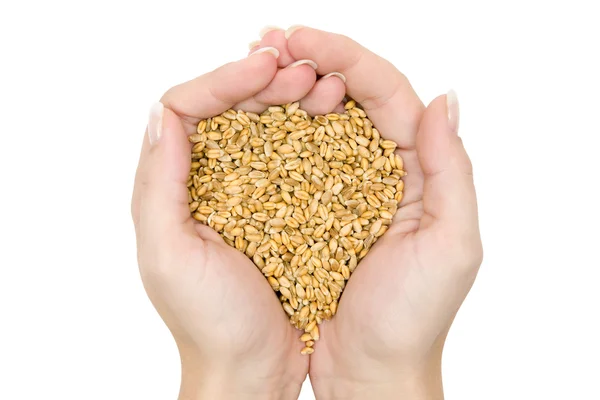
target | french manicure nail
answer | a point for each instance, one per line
(341, 76)
(271, 50)
(155, 121)
(268, 29)
(453, 111)
(290, 31)
(302, 62)
(253, 44)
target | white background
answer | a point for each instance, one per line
(77, 80)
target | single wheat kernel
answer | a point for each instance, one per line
(305, 337)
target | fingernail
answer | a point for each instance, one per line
(290, 31)
(302, 62)
(341, 76)
(453, 111)
(155, 121)
(270, 50)
(268, 29)
(253, 44)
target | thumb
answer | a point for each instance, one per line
(449, 194)
(164, 198)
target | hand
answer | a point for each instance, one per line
(234, 339)
(387, 337)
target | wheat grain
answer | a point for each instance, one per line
(304, 198)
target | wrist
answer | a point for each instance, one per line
(418, 382)
(223, 386)
(222, 380)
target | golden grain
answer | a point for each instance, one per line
(304, 198)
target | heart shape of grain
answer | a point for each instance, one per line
(304, 198)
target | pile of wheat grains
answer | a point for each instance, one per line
(304, 198)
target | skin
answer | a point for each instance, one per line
(387, 337)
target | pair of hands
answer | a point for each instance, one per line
(386, 339)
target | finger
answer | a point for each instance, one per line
(275, 37)
(448, 194)
(215, 92)
(372, 81)
(326, 94)
(164, 206)
(289, 84)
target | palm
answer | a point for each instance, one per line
(376, 302)
(246, 315)
(386, 301)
